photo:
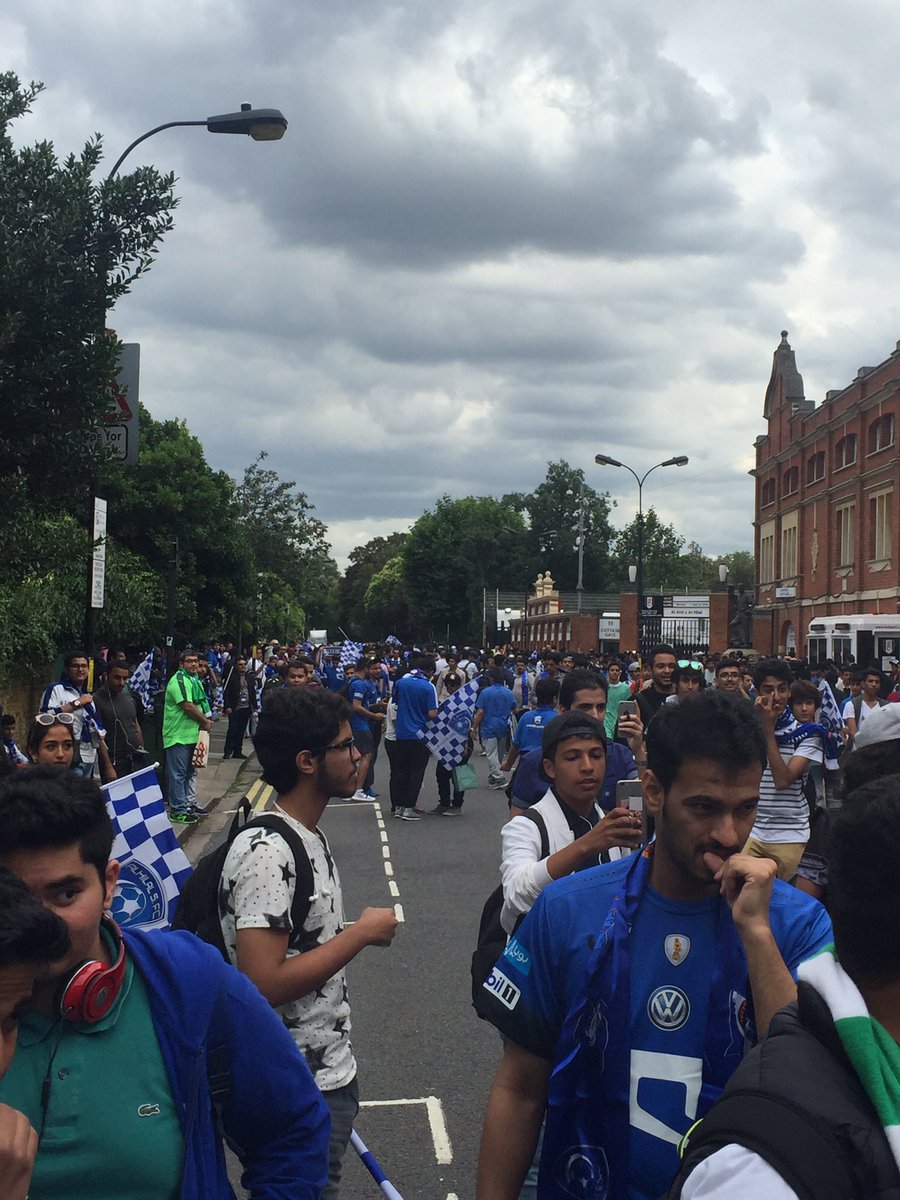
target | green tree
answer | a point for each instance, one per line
(452, 553)
(173, 494)
(288, 542)
(551, 512)
(385, 599)
(69, 247)
(364, 563)
(662, 546)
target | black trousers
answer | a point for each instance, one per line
(237, 727)
(408, 765)
(444, 779)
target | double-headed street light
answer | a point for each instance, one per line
(604, 460)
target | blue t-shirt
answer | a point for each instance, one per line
(497, 702)
(531, 726)
(365, 691)
(414, 696)
(529, 787)
(672, 954)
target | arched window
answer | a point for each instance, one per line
(845, 452)
(815, 467)
(881, 433)
(790, 481)
(767, 495)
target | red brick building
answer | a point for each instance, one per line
(827, 511)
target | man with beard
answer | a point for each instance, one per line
(306, 749)
(638, 984)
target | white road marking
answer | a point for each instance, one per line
(398, 913)
(384, 837)
(443, 1150)
(385, 852)
(394, 890)
(388, 870)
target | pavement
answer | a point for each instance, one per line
(222, 778)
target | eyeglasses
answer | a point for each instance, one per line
(690, 662)
(347, 744)
(59, 718)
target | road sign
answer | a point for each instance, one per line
(98, 558)
(120, 428)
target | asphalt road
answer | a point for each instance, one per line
(425, 1060)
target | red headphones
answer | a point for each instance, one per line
(92, 988)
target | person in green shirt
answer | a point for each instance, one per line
(31, 938)
(616, 692)
(186, 713)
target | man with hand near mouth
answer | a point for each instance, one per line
(639, 984)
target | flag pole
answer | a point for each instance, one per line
(371, 1164)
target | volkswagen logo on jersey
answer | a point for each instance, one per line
(668, 1008)
(677, 947)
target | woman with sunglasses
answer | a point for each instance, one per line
(688, 677)
(51, 740)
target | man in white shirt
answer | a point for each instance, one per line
(781, 830)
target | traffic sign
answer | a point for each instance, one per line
(120, 428)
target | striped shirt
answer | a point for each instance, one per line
(783, 815)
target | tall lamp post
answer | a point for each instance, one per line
(263, 125)
(604, 460)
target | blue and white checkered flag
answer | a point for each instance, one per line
(448, 733)
(139, 683)
(351, 653)
(830, 717)
(154, 867)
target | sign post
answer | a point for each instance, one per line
(98, 554)
(120, 428)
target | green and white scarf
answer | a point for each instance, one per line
(874, 1054)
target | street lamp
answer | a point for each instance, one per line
(604, 460)
(263, 125)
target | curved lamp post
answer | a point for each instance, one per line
(604, 460)
(263, 125)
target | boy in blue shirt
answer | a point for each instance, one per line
(492, 709)
(531, 725)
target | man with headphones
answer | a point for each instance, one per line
(142, 1049)
(30, 939)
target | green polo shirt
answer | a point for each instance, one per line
(178, 728)
(111, 1126)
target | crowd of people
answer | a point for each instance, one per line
(698, 905)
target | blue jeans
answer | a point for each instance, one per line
(343, 1104)
(181, 777)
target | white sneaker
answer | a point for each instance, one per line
(359, 794)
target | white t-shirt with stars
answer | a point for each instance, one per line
(256, 892)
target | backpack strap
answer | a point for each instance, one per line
(304, 884)
(542, 829)
(806, 1156)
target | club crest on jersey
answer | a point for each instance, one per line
(678, 947)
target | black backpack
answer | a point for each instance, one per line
(198, 905)
(491, 934)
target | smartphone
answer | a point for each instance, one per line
(630, 795)
(627, 708)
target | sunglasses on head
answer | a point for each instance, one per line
(60, 718)
(690, 662)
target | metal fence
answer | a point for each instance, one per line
(686, 635)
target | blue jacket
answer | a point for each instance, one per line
(529, 786)
(274, 1112)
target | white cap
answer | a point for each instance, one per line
(882, 725)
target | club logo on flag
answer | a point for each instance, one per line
(447, 734)
(154, 867)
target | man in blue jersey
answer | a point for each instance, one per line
(416, 702)
(631, 991)
(491, 722)
(363, 696)
(531, 725)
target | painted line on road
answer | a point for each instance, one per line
(392, 888)
(388, 869)
(388, 865)
(398, 913)
(443, 1150)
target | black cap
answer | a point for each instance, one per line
(571, 724)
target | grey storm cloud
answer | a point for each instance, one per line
(494, 234)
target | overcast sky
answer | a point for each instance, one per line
(495, 233)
